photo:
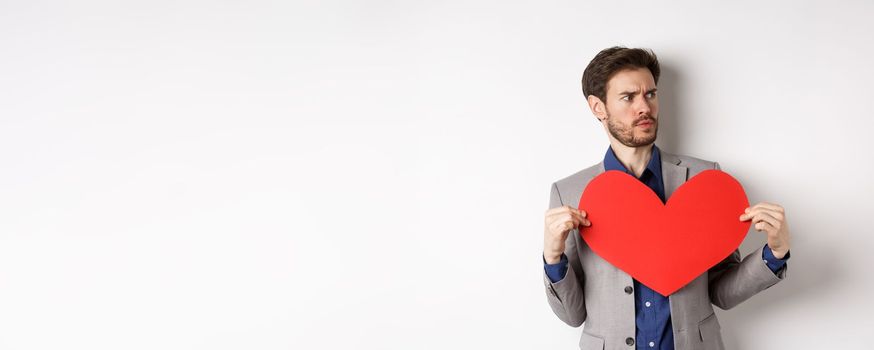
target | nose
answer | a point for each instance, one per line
(643, 106)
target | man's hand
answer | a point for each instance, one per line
(558, 222)
(770, 218)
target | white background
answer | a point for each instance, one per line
(350, 174)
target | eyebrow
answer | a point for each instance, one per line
(633, 92)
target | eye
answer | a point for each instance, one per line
(651, 94)
(625, 98)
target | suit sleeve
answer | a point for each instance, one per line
(733, 280)
(566, 296)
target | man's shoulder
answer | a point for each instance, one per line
(694, 164)
(570, 188)
(582, 176)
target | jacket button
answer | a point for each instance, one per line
(629, 290)
(629, 341)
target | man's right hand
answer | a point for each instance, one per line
(558, 222)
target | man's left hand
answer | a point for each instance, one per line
(770, 218)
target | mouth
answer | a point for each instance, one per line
(645, 124)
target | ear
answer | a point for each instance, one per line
(597, 107)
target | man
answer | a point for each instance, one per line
(618, 311)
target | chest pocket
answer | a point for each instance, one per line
(591, 342)
(709, 333)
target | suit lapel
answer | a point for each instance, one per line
(673, 175)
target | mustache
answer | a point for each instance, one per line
(644, 119)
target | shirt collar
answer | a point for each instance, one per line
(654, 165)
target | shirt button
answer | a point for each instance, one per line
(648, 304)
(629, 341)
(629, 290)
(766, 261)
(651, 344)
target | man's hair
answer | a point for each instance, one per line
(610, 61)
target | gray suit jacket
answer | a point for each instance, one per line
(594, 291)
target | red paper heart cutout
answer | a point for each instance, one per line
(664, 246)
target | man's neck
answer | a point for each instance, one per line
(634, 159)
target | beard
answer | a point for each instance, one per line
(625, 133)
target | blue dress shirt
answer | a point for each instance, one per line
(652, 311)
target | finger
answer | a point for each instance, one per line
(561, 226)
(560, 210)
(775, 214)
(771, 206)
(746, 214)
(578, 216)
(764, 216)
(749, 213)
(764, 226)
(574, 216)
(578, 221)
(568, 221)
(778, 216)
(581, 218)
(757, 210)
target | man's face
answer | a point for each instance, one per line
(632, 107)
